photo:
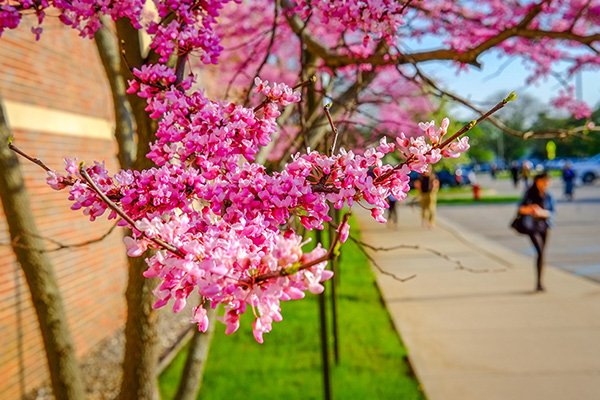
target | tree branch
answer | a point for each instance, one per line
(334, 59)
(109, 52)
(34, 160)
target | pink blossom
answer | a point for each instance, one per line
(566, 100)
(344, 231)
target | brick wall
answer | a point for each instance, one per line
(61, 72)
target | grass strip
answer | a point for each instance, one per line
(482, 200)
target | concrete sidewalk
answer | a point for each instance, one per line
(486, 335)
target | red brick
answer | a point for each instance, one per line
(61, 72)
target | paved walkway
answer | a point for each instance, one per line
(487, 335)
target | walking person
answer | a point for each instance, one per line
(526, 172)
(539, 205)
(392, 212)
(428, 186)
(493, 171)
(514, 173)
(568, 177)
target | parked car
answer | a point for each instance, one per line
(482, 167)
(556, 164)
(446, 178)
(587, 171)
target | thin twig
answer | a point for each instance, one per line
(485, 116)
(333, 128)
(498, 123)
(32, 159)
(59, 245)
(512, 96)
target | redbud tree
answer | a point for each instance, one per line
(223, 224)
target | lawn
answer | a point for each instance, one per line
(493, 199)
(288, 365)
(463, 195)
(554, 173)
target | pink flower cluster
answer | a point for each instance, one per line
(82, 15)
(277, 93)
(185, 26)
(566, 100)
(222, 213)
(374, 18)
(180, 27)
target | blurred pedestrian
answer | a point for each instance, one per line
(568, 177)
(526, 172)
(428, 186)
(392, 212)
(494, 171)
(538, 204)
(514, 173)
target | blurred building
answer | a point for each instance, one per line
(58, 104)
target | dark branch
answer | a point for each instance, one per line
(60, 245)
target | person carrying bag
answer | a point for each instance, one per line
(533, 219)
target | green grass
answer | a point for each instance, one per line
(452, 190)
(464, 195)
(554, 173)
(288, 365)
(483, 200)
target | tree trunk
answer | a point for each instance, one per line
(141, 341)
(145, 126)
(191, 379)
(110, 55)
(39, 273)
(140, 363)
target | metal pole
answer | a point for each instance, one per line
(324, 337)
(335, 214)
(336, 351)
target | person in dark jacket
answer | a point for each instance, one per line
(568, 177)
(392, 212)
(514, 173)
(538, 203)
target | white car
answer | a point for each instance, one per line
(587, 171)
